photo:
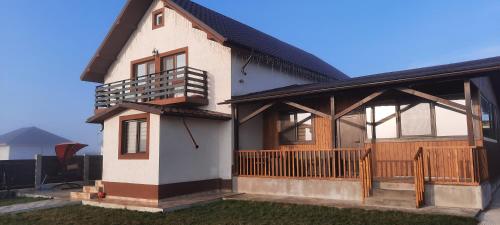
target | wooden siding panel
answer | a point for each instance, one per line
(322, 131)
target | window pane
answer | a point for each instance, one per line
(416, 119)
(151, 68)
(450, 121)
(287, 128)
(131, 136)
(304, 127)
(140, 70)
(167, 63)
(158, 19)
(385, 119)
(142, 136)
(487, 119)
(181, 60)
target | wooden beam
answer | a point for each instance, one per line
(307, 109)
(468, 110)
(236, 140)
(432, 98)
(333, 122)
(359, 103)
(255, 113)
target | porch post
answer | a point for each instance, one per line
(333, 122)
(236, 137)
(468, 109)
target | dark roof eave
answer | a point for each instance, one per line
(158, 110)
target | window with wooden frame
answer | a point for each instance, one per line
(296, 127)
(416, 119)
(134, 137)
(158, 18)
(488, 119)
(165, 62)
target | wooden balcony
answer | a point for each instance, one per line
(181, 86)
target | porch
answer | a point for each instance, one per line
(421, 142)
(184, 85)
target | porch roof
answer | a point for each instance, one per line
(158, 110)
(480, 67)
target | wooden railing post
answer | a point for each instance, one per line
(418, 170)
(186, 81)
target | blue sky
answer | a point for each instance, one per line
(45, 47)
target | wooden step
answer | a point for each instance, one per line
(91, 189)
(83, 195)
(391, 198)
(98, 183)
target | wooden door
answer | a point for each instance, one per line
(351, 130)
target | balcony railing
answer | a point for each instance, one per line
(184, 84)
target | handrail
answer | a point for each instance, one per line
(178, 82)
(317, 164)
(366, 175)
(418, 167)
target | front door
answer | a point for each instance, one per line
(351, 130)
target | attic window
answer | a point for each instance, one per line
(158, 18)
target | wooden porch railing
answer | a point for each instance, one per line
(418, 166)
(455, 165)
(365, 164)
(180, 82)
(442, 164)
(322, 164)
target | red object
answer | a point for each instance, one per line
(66, 151)
(101, 195)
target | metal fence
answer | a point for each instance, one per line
(16, 174)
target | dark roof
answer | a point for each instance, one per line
(226, 30)
(32, 136)
(158, 110)
(468, 68)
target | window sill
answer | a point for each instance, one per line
(134, 156)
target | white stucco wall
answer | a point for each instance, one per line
(4, 152)
(259, 77)
(178, 33)
(139, 171)
(251, 132)
(16, 152)
(180, 161)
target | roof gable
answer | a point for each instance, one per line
(218, 28)
(31, 136)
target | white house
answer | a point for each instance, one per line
(191, 100)
(25, 143)
(165, 65)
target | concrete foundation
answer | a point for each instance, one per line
(327, 189)
(454, 196)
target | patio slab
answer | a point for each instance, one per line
(165, 205)
(46, 193)
(352, 204)
(45, 204)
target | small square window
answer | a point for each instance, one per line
(158, 18)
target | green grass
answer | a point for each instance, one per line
(230, 212)
(18, 200)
